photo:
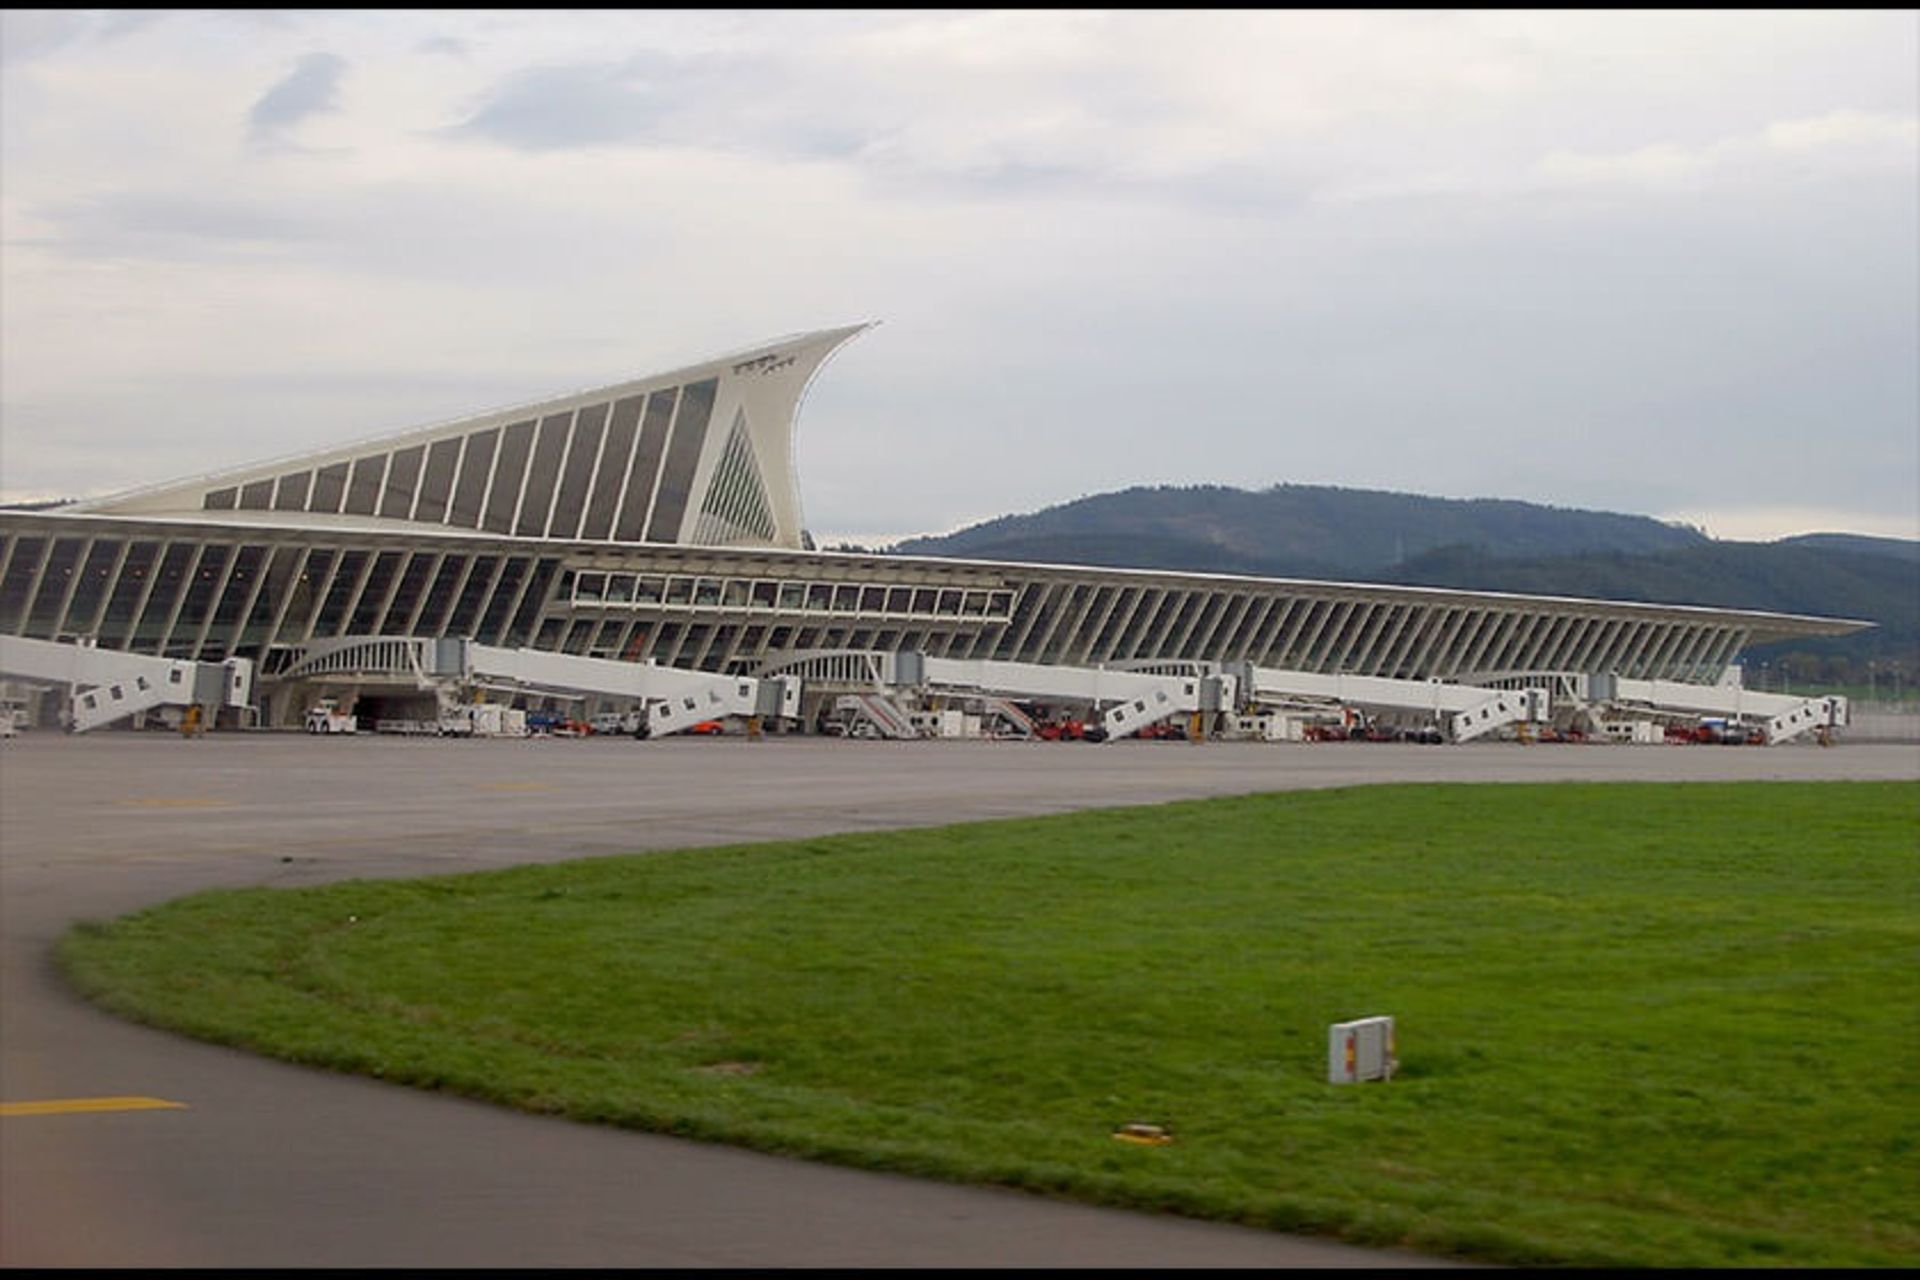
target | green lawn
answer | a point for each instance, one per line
(1673, 1025)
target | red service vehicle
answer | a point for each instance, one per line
(1070, 730)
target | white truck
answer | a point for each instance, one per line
(325, 716)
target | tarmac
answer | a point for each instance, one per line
(267, 1164)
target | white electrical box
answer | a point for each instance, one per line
(1360, 1050)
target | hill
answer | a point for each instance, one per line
(1900, 548)
(1293, 530)
(1483, 544)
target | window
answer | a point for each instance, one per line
(508, 471)
(569, 508)
(631, 525)
(494, 620)
(471, 491)
(92, 587)
(54, 581)
(329, 486)
(614, 458)
(683, 457)
(333, 610)
(438, 482)
(363, 490)
(541, 481)
(467, 607)
(366, 611)
(400, 611)
(292, 493)
(403, 477)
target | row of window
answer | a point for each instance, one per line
(621, 470)
(743, 648)
(209, 599)
(645, 591)
(1085, 623)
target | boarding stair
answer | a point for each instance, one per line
(878, 712)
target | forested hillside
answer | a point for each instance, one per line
(1484, 544)
(1294, 529)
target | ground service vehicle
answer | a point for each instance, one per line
(325, 716)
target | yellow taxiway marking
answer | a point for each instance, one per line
(64, 1106)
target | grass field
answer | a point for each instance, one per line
(1670, 1025)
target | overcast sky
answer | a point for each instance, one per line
(1658, 262)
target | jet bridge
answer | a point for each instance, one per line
(1784, 716)
(1131, 700)
(1465, 711)
(109, 684)
(676, 699)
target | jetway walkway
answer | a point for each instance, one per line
(1784, 716)
(1128, 700)
(676, 699)
(1464, 711)
(109, 685)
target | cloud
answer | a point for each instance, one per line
(655, 98)
(167, 226)
(1836, 137)
(452, 46)
(1849, 130)
(26, 34)
(308, 90)
(1624, 261)
(29, 34)
(553, 108)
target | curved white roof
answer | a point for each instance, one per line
(701, 454)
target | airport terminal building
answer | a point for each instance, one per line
(659, 521)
